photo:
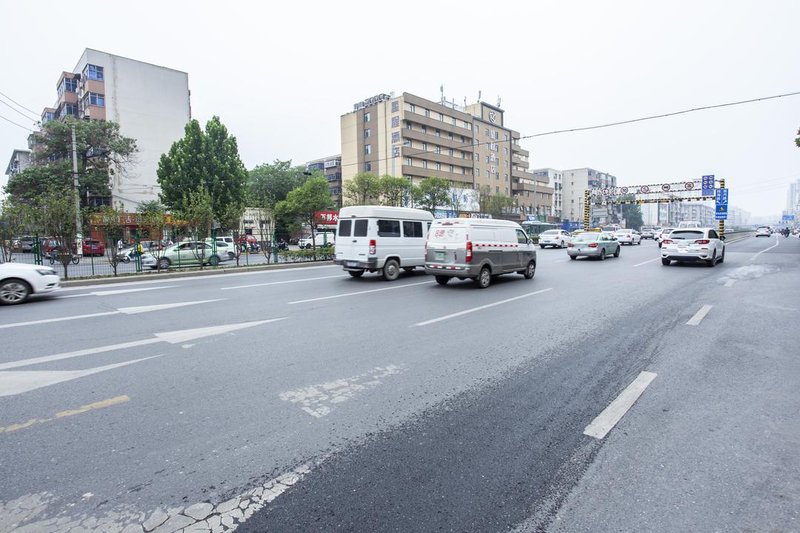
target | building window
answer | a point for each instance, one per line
(437, 149)
(409, 126)
(395, 137)
(424, 163)
(367, 167)
(406, 142)
(368, 149)
(396, 151)
(437, 132)
(452, 169)
(96, 99)
(428, 113)
(412, 108)
(93, 72)
(395, 122)
(438, 166)
(407, 161)
(367, 116)
(367, 133)
(70, 85)
(395, 106)
(424, 129)
(450, 152)
(450, 135)
(441, 117)
(424, 147)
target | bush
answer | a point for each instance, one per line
(297, 256)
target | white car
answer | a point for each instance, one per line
(19, 280)
(662, 234)
(763, 231)
(692, 245)
(554, 237)
(628, 236)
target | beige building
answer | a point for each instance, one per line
(417, 138)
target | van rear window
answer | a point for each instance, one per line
(344, 228)
(360, 228)
(412, 229)
(388, 228)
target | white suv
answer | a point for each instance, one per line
(693, 245)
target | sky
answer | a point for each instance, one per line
(280, 75)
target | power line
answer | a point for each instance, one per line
(35, 114)
(12, 108)
(14, 123)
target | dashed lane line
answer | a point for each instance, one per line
(611, 415)
(645, 262)
(699, 316)
(479, 308)
(278, 282)
(358, 292)
(777, 242)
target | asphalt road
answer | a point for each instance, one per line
(317, 402)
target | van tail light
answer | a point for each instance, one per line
(469, 252)
(592, 245)
(373, 249)
(666, 241)
(702, 241)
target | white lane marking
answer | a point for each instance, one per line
(699, 316)
(605, 421)
(561, 261)
(359, 292)
(777, 307)
(277, 283)
(645, 262)
(777, 242)
(17, 382)
(730, 282)
(172, 337)
(319, 400)
(479, 308)
(123, 310)
(126, 291)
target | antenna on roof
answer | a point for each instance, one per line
(441, 90)
(498, 100)
(479, 95)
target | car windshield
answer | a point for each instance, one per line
(685, 235)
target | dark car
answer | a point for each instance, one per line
(24, 244)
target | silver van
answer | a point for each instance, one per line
(478, 249)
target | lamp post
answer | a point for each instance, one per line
(77, 194)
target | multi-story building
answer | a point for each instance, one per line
(149, 102)
(416, 138)
(331, 167)
(575, 181)
(20, 160)
(696, 211)
(793, 198)
(738, 216)
(554, 177)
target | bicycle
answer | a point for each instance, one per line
(53, 256)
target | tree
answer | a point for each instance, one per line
(302, 203)
(56, 216)
(111, 227)
(153, 220)
(394, 191)
(207, 159)
(362, 189)
(197, 218)
(268, 184)
(432, 193)
(632, 213)
(797, 140)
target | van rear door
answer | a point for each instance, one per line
(352, 241)
(447, 244)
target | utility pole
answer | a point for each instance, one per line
(77, 193)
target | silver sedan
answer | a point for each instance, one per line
(593, 244)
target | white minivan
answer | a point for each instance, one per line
(381, 239)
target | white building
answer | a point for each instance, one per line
(575, 181)
(739, 217)
(555, 180)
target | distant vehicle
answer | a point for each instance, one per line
(628, 236)
(649, 232)
(611, 228)
(478, 249)
(693, 245)
(23, 244)
(663, 234)
(224, 249)
(19, 280)
(185, 253)
(689, 224)
(593, 244)
(320, 239)
(93, 247)
(763, 231)
(555, 238)
(371, 238)
(534, 228)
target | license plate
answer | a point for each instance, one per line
(440, 256)
(351, 263)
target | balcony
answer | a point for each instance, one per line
(441, 141)
(433, 123)
(517, 149)
(443, 157)
(419, 172)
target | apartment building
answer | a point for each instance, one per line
(150, 103)
(697, 211)
(413, 137)
(553, 177)
(20, 160)
(573, 183)
(331, 167)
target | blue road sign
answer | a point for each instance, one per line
(721, 196)
(721, 216)
(721, 208)
(707, 184)
(788, 218)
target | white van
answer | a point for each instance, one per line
(478, 249)
(381, 239)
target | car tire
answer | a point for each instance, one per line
(665, 262)
(713, 261)
(602, 254)
(541, 246)
(355, 273)
(442, 280)
(14, 291)
(484, 279)
(163, 263)
(213, 260)
(616, 254)
(530, 270)
(391, 270)
(562, 244)
(231, 255)
(722, 257)
(573, 257)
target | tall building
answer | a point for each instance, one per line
(696, 211)
(575, 181)
(470, 146)
(793, 197)
(331, 167)
(555, 178)
(738, 216)
(149, 102)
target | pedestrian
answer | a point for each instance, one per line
(119, 245)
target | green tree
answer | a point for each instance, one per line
(268, 183)
(197, 218)
(108, 222)
(632, 213)
(302, 203)
(153, 220)
(56, 217)
(362, 189)
(432, 193)
(207, 159)
(394, 191)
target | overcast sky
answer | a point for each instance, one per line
(280, 74)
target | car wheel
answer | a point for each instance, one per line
(356, 273)
(442, 280)
(665, 262)
(541, 246)
(484, 279)
(14, 291)
(573, 257)
(231, 255)
(530, 270)
(603, 254)
(562, 244)
(163, 263)
(391, 270)
(213, 260)
(616, 254)
(722, 257)
(713, 261)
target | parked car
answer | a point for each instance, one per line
(478, 249)
(555, 238)
(320, 239)
(18, 281)
(224, 249)
(763, 231)
(693, 245)
(185, 253)
(628, 236)
(93, 247)
(381, 239)
(23, 244)
(593, 244)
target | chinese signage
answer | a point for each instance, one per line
(371, 101)
(326, 217)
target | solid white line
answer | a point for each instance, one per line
(126, 291)
(460, 313)
(79, 353)
(699, 316)
(777, 242)
(277, 283)
(357, 293)
(59, 319)
(730, 282)
(645, 262)
(612, 414)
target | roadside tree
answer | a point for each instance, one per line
(432, 193)
(301, 204)
(362, 189)
(395, 191)
(196, 220)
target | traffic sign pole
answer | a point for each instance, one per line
(722, 222)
